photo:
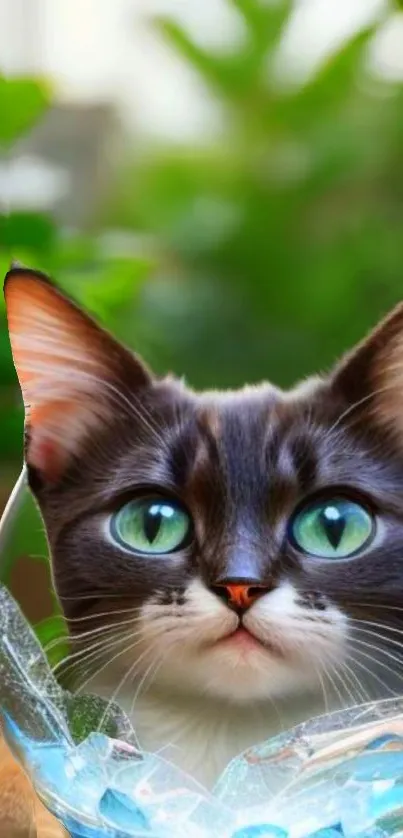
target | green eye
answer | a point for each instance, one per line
(151, 525)
(334, 528)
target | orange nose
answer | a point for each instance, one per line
(240, 597)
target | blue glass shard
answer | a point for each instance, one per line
(122, 813)
(261, 830)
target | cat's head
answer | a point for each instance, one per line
(235, 544)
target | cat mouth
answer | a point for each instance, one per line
(242, 639)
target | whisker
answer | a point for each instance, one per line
(375, 648)
(323, 688)
(108, 663)
(328, 675)
(363, 696)
(131, 670)
(372, 674)
(86, 654)
(157, 664)
(86, 597)
(396, 675)
(345, 680)
(377, 625)
(373, 604)
(388, 641)
(131, 408)
(359, 403)
(353, 407)
(77, 638)
(98, 642)
(96, 614)
(341, 674)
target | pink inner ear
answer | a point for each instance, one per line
(63, 361)
(47, 424)
(45, 456)
(69, 369)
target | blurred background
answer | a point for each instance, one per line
(221, 182)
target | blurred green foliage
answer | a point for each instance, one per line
(22, 102)
(267, 252)
(281, 244)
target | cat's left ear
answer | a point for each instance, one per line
(74, 376)
(370, 378)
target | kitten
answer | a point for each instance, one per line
(229, 563)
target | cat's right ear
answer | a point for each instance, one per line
(73, 374)
(370, 378)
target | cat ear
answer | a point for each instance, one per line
(73, 374)
(370, 378)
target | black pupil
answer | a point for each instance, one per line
(152, 519)
(334, 524)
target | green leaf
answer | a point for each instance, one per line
(265, 21)
(4, 267)
(51, 628)
(334, 85)
(26, 537)
(210, 67)
(11, 435)
(230, 76)
(22, 103)
(53, 637)
(238, 74)
(28, 231)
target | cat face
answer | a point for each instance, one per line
(240, 545)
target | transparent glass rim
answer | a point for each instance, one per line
(11, 510)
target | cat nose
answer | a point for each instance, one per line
(240, 596)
